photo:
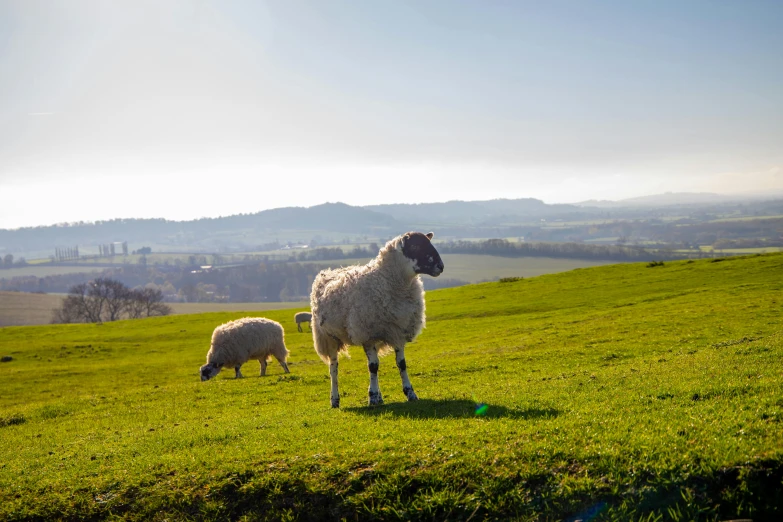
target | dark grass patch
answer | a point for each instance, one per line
(12, 420)
(54, 411)
(453, 409)
(734, 342)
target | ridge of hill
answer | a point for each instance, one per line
(207, 233)
(634, 391)
(671, 220)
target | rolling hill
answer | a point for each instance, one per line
(616, 392)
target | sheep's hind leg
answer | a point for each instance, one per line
(335, 395)
(263, 366)
(407, 387)
(238, 373)
(372, 365)
(284, 365)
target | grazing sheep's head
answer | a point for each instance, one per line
(419, 249)
(209, 370)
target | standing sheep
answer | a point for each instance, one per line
(303, 317)
(236, 342)
(379, 306)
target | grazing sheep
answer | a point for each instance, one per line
(303, 317)
(379, 306)
(236, 342)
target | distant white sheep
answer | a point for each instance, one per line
(379, 306)
(303, 317)
(236, 342)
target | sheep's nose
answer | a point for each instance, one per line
(440, 265)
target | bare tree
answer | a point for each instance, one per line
(147, 302)
(69, 311)
(84, 304)
(93, 302)
(135, 305)
(114, 295)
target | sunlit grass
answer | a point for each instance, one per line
(619, 390)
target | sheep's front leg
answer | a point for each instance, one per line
(238, 373)
(284, 365)
(299, 327)
(335, 395)
(372, 365)
(407, 387)
(263, 366)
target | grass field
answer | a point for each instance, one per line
(474, 268)
(44, 270)
(25, 309)
(20, 309)
(745, 251)
(200, 308)
(619, 392)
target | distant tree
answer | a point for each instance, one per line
(8, 260)
(79, 306)
(68, 312)
(106, 299)
(146, 302)
(114, 294)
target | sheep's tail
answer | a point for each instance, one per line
(384, 349)
(326, 346)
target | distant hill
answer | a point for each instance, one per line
(668, 199)
(203, 234)
(472, 212)
(333, 223)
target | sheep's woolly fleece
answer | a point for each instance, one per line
(303, 317)
(381, 302)
(250, 338)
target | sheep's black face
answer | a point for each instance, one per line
(418, 248)
(209, 370)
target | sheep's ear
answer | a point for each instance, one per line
(429, 235)
(405, 237)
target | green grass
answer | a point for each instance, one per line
(758, 250)
(25, 309)
(45, 270)
(628, 392)
(476, 267)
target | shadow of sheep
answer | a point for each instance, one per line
(453, 409)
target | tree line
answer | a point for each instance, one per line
(105, 299)
(7, 261)
(291, 279)
(502, 247)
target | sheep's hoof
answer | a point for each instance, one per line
(376, 398)
(410, 394)
(336, 402)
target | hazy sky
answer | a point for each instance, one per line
(182, 109)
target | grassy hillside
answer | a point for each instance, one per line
(24, 309)
(621, 392)
(21, 309)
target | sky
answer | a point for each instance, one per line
(189, 109)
